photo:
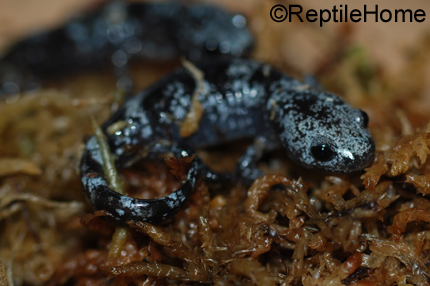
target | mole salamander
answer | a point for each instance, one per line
(120, 31)
(241, 99)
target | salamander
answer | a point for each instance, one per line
(118, 32)
(241, 98)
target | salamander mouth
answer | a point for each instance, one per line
(357, 162)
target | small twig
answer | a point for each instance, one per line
(191, 122)
(121, 233)
(109, 168)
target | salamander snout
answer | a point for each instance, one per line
(333, 157)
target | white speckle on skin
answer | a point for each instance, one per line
(146, 131)
(347, 153)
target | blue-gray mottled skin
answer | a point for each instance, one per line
(241, 99)
(120, 31)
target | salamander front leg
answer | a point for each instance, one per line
(124, 208)
(247, 170)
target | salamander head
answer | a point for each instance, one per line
(321, 131)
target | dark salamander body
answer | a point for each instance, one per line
(241, 98)
(120, 31)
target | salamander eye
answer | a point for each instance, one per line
(365, 118)
(322, 152)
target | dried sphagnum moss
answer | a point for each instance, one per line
(337, 230)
